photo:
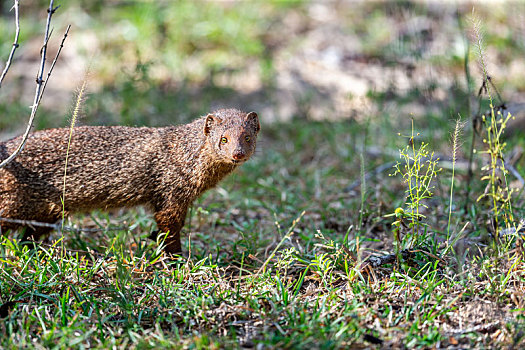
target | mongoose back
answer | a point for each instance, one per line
(115, 166)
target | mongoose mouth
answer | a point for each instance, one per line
(238, 161)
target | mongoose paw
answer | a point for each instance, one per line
(154, 235)
(30, 243)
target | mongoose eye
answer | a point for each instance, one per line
(224, 140)
(247, 138)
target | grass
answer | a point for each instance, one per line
(311, 293)
(278, 254)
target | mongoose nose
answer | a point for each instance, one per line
(238, 155)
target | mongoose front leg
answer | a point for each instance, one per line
(34, 234)
(171, 220)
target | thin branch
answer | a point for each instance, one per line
(29, 223)
(377, 261)
(40, 85)
(58, 226)
(482, 328)
(43, 52)
(54, 62)
(15, 43)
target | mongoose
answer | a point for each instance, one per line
(116, 166)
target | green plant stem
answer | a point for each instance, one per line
(455, 142)
(76, 112)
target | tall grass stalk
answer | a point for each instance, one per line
(495, 125)
(363, 190)
(455, 145)
(361, 209)
(74, 117)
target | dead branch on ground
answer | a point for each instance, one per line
(58, 226)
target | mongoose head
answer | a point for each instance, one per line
(232, 134)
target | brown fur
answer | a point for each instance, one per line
(116, 166)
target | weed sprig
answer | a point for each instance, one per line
(417, 171)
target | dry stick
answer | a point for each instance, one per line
(39, 87)
(15, 43)
(58, 226)
(376, 261)
(54, 61)
(488, 327)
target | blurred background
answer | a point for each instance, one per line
(162, 62)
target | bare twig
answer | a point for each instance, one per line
(58, 226)
(376, 261)
(483, 328)
(30, 223)
(43, 52)
(40, 86)
(15, 43)
(54, 61)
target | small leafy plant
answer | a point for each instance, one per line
(418, 169)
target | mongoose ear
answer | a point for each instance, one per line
(210, 121)
(254, 118)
